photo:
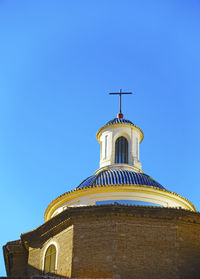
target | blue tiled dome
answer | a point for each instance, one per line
(119, 120)
(119, 177)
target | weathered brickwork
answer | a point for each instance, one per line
(189, 246)
(64, 241)
(16, 257)
(125, 247)
(116, 241)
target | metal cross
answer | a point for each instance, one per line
(120, 115)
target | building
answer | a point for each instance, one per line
(118, 223)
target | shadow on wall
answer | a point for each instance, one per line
(36, 273)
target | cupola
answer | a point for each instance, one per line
(120, 144)
(119, 141)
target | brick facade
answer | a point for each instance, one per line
(114, 241)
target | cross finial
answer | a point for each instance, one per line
(120, 115)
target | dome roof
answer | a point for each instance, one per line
(119, 177)
(119, 121)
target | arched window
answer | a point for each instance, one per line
(121, 151)
(50, 260)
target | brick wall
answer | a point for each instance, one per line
(16, 256)
(64, 241)
(112, 241)
(188, 235)
(125, 248)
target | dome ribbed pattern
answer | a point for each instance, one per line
(118, 121)
(119, 177)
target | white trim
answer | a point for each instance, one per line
(121, 134)
(44, 253)
(88, 196)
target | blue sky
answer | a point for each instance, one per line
(58, 61)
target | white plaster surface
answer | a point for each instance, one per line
(133, 136)
(127, 193)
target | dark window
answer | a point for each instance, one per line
(121, 151)
(50, 260)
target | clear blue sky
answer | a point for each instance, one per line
(58, 61)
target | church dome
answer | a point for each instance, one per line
(117, 177)
(120, 177)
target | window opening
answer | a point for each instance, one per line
(50, 259)
(121, 150)
(136, 148)
(106, 144)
